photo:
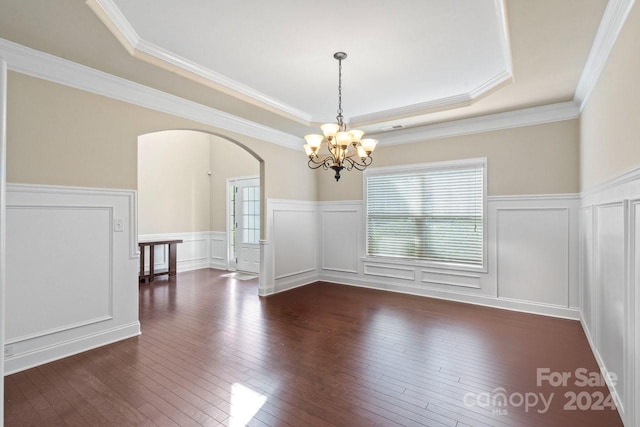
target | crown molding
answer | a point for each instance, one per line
(432, 106)
(501, 7)
(615, 15)
(58, 70)
(44, 66)
(116, 22)
(142, 49)
(502, 78)
(182, 66)
(510, 119)
(109, 13)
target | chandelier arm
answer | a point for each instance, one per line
(324, 163)
(348, 164)
(360, 164)
(366, 161)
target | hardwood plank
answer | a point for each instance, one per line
(320, 355)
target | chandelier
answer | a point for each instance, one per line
(346, 149)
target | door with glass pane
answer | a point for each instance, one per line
(245, 224)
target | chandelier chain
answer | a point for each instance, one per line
(339, 116)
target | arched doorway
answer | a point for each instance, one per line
(184, 181)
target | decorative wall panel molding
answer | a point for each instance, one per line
(340, 238)
(218, 250)
(204, 249)
(3, 223)
(293, 236)
(610, 247)
(533, 254)
(83, 292)
(586, 269)
(390, 271)
(449, 278)
(610, 300)
(557, 219)
(74, 244)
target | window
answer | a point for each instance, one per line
(251, 214)
(431, 212)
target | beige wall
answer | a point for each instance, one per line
(540, 159)
(173, 182)
(227, 161)
(176, 194)
(63, 136)
(610, 122)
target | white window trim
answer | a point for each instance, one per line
(403, 169)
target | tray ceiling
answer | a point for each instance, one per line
(556, 49)
(405, 58)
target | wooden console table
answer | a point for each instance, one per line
(173, 247)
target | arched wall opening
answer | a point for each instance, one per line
(187, 183)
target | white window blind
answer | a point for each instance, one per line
(432, 214)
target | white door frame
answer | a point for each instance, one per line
(232, 181)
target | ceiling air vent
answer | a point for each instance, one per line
(394, 127)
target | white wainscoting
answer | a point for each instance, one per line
(291, 251)
(218, 250)
(533, 254)
(339, 254)
(609, 276)
(205, 249)
(71, 275)
(532, 257)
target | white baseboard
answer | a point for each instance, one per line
(22, 361)
(217, 264)
(295, 281)
(487, 301)
(603, 369)
(203, 249)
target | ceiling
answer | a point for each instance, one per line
(410, 64)
(407, 59)
(425, 53)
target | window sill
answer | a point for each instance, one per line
(425, 264)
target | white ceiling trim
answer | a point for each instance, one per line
(615, 15)
(117, 23)
(502, 78)
(58, 70)
(461, 100)
(510, 119)
(142, 49)
(42, 65)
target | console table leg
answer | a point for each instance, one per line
(151, 262)
(142, 275)
(173, 259)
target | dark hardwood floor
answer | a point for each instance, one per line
(211, 352)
